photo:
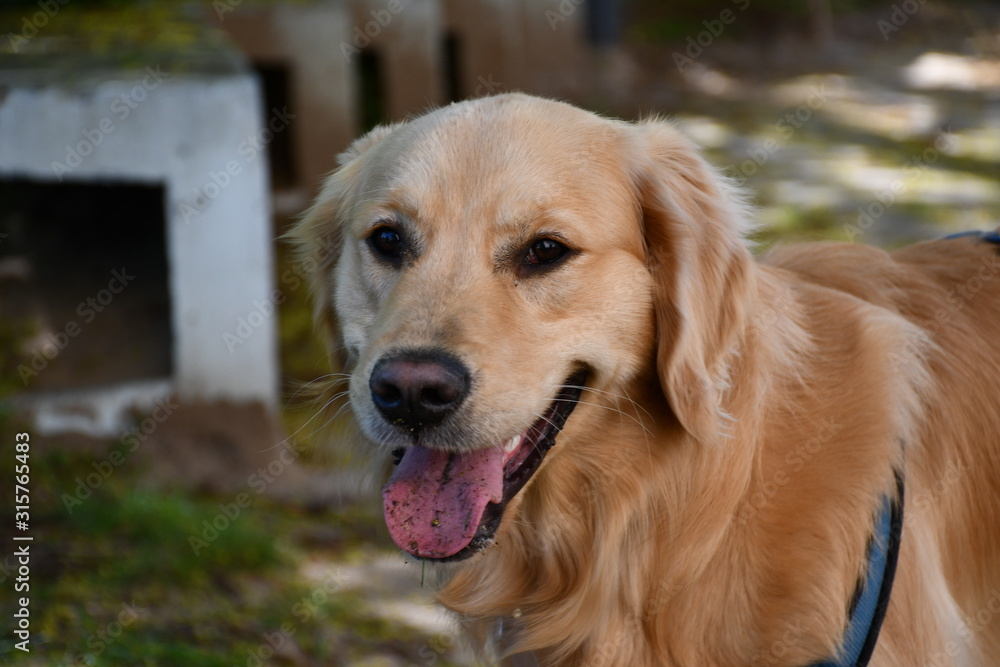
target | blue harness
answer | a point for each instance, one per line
(989, 237)
(871, 599)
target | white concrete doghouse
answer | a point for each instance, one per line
(201, 137)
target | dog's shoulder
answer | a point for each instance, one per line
(929, 269)
(862, 271)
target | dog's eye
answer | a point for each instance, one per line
(387, 243)
(545, 251)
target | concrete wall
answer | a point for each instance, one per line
(409, 41)
(306, 39)
(535, 46)
(200, 137)
(320, 44)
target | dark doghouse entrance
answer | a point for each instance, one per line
(275, 80)
(83, 285)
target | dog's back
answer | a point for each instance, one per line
(950, 288)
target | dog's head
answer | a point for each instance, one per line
(492, 262)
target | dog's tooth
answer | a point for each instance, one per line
(512, 444)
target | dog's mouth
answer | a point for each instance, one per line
(447, 506)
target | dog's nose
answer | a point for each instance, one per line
(419, 389)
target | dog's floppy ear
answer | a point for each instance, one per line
(694, 226)
(317, 236)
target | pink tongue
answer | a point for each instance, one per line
(435, 500)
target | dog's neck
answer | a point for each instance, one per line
(636, 547)
(868, 607)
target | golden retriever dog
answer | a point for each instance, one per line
(629, 441)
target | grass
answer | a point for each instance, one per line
(13, 333)
(127, 572)
(115, 579)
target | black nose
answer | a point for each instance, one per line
(418, 389)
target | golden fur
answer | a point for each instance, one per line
(710, 500)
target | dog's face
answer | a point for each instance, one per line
(491, 271)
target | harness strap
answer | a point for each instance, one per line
(870, 602)
(872, 598)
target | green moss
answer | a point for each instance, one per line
(310, 374)
(116, 581)
(14, 334)
(174, 35)
(159, 530)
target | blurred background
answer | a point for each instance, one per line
(187, 502)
